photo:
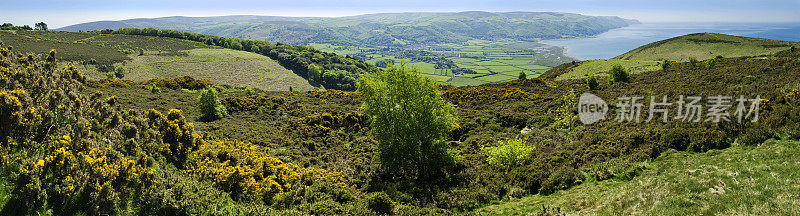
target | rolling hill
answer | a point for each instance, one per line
(703, 46)
(159, 58)
(384, 29)
(700, 46)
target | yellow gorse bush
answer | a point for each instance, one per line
(249, 172)
(65, 147)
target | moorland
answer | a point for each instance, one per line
(81, 143)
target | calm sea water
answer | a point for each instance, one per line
(618, 41)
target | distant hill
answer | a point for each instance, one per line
(384, 29)
(700, 46)
(705, 46)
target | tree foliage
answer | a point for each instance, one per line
(618, 74)
(209, 105)
(41, 26)
(592, 82)
(410, 120)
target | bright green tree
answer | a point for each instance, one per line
(618, 74)
(209, 105)
(592, 82)
(665, 64)
(410, 120)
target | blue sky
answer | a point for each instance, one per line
(60, 13)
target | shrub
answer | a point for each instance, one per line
(665, 64)
(693, 61)
(210, 107)
(706, 139)
(110, 75)
(119, 72)
(710, 63)
(755, 135)
(592, 82)
(507, 154)
(540, 121)
(561, 179)
(522, 75)
(676, 138)
(618, 74)
(155, 89)
(399, 101)
(379, 203)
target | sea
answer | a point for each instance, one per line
(618, 41)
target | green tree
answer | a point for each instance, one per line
(41, 26)
(209, 105)
(618, 74)
(119, 72)
(410, 120)
(665, 64)
(592, 82)
(522, 75)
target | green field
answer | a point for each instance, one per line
(703, 46)
(221, 66)
(163, 57)
(494, 61)
(749, 180)
(103, 48)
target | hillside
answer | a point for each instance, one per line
(703, 46)
(145, 54)
(700, 46)
(192, 166)
(386, 29)
(76, 145)
(751, 180)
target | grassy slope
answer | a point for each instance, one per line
(700, 46)
(164, 57)
(705, 46)
(221, 66)
(760, 180)
(599, 67)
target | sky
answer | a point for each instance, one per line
(59, 13)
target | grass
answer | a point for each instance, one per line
(164, 57)
(221, 66)
(705, 46)
(599, 67)
(105, 49)
(757, 180)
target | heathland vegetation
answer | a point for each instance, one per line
(116, 146)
